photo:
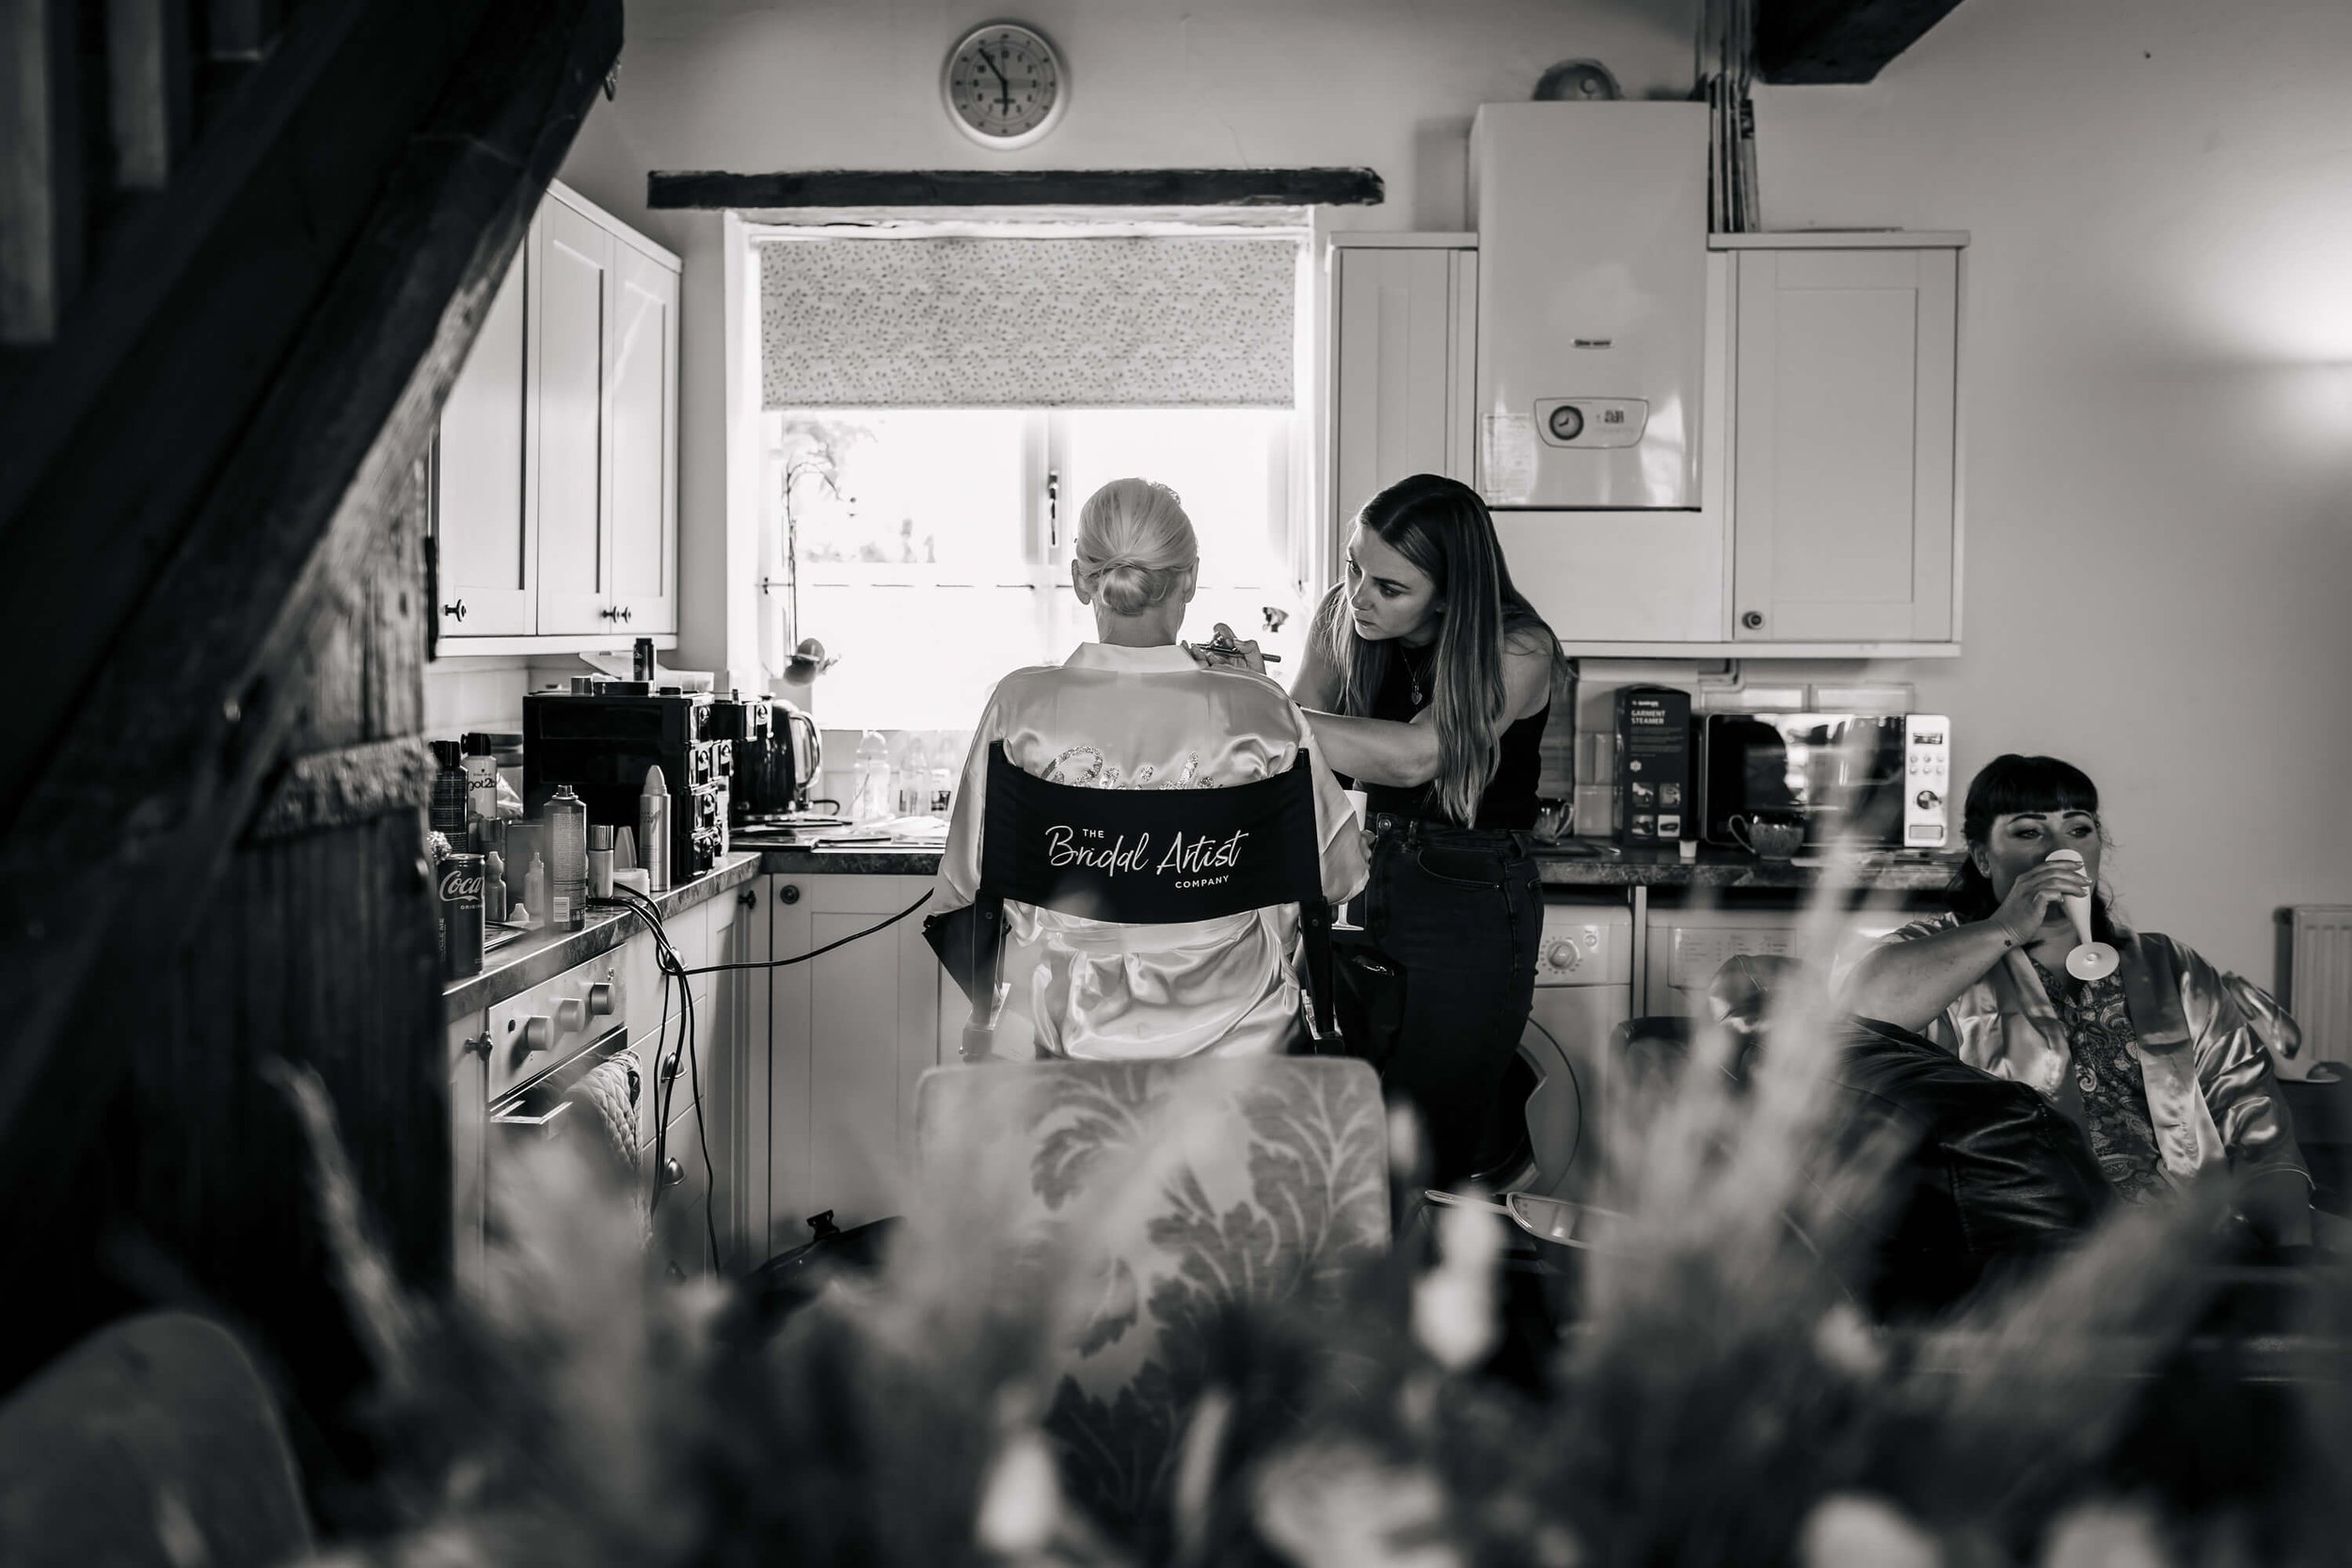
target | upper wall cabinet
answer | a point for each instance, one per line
(1404, 332)
(1843, 433)
(1827, 524)
(485, 477)
(556, 489)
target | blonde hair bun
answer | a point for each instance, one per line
(1133, 542)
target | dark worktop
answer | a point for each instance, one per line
(1627, 868)
(527, 961)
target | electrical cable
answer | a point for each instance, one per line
(820, 952)
(666, 1078)
(667, 960)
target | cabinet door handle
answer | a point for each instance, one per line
(454, 611)
(628, 615)
(1752, 620)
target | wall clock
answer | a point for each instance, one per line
(1005, 85)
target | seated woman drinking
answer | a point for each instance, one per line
(1133, 710)
(2154, 1061)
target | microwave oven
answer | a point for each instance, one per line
(1875, 780)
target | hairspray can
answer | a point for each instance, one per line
(653, 829)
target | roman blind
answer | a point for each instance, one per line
(961, 322)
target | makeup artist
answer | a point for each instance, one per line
(1428, 681)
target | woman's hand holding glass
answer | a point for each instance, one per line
(2036, 892)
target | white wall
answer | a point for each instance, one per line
(1389, 84)
(2157, 350)
(2156, 385)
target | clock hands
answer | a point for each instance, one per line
(1004, 88)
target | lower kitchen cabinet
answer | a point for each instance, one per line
(846, 1036)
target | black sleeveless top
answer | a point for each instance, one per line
(1509, 800)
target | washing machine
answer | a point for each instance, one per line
(1583, 991)
(1687, 947)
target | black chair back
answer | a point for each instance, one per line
(1138, 857)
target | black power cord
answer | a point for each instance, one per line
(666, 960)
(666, 1078)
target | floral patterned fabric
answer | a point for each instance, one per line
(1160, 322)
(2114, 1090)
(1181, 1187)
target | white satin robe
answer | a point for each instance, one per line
(1119, 717)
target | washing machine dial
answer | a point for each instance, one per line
(1564, 955)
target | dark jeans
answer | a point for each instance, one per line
(1460, 912)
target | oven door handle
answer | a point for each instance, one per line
(541, 1123)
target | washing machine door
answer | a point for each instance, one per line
(1566, 1047)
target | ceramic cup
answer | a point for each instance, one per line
(1768, 837)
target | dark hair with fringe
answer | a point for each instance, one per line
(2007, 785)
(1443, 527)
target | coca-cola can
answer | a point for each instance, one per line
(460, 893)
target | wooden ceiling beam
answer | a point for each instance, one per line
(1838, 41)
(1014, 188)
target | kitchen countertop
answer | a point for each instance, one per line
(527, 961)
(1629, 867)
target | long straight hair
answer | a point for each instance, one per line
(2010, 783)
(1443, 527)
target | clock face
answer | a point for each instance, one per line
(1004, 85)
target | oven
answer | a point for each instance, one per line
(552, 1062)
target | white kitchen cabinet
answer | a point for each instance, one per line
(1403, 336)
(1843, 494)
(573, 414)
(569, 320)
(485, 477)
(641, 381)
(845, 1038)
(469, 1132)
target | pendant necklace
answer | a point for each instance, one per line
(1412, 677)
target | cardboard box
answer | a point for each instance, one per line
(1654, 753)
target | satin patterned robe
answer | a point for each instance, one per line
(1121, 718)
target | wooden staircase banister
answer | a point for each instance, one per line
(136, 797)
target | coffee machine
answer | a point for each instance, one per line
(601, 736)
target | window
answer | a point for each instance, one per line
(930, 548)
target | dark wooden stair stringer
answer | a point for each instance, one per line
(132, 809)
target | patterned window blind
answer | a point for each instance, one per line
(981, 323)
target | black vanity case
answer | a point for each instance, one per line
(603, 740)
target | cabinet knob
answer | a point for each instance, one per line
(480, 1045)
(628, 614)
(747, 898)
(789, 894)
(608, 613)
(1752, 620)
(672, 1172)
(454, 611)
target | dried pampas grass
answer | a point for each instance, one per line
(1723, 1398)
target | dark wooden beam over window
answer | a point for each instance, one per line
(1032, 187)
(1819, 41)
